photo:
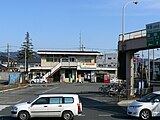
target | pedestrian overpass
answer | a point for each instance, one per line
(133, 42)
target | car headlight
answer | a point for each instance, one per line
(135, 106)
(14, 108)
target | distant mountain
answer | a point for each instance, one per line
(14, 54)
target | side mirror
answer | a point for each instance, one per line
(156, 100)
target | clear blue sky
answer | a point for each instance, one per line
(56, 24)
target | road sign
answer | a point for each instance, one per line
(153, 34)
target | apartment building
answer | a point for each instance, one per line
(108, 61)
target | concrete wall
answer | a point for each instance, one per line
(4, 76)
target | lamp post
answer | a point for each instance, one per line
(123, 15)
(123, 27)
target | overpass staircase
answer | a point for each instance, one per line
(52, 71)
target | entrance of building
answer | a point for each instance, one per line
(84, 76)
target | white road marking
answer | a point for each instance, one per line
(3, 107)
(50, 89)
(109, 115)
(81, 115)
(105, 115)
(14, 102)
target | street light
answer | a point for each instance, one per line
(123, 11)
(123, 25)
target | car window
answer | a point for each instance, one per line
(68, 100)
(36, 77)
(55, 100)
(43, 100)
(148, 97)
(157, 97)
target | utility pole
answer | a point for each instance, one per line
(149, 69)
(8, 56)
(80, 41)
(153, 76)
(142, 70)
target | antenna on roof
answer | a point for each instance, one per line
(80, 41)
(81, 46)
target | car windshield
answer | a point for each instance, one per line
(148, 97)
(29, 102)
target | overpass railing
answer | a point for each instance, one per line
(133, 35)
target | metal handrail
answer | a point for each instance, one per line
(133, 35)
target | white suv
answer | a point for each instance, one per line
(52, 105)
(146, 107)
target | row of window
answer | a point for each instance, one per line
(104, 65)
(54, 100)
(66, 60)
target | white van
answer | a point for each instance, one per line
(50, 105)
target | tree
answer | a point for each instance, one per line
(26, 51)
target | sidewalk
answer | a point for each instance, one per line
(125, 102)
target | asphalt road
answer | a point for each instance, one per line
(96, 106)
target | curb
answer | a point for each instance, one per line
(125, 102)
(15, 88)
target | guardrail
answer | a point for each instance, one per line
(133, 35)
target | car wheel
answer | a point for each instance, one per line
(145, 114)
(32, 82)
(43, 82)
(23, 115)
(67, 115)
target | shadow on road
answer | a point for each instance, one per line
(10, 118)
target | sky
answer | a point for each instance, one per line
(57, 24)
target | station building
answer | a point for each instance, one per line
(69, 66)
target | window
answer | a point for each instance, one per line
(43, 100)
(109, 58)
(55, 100)
(68, 100)
(72, 59)
(49, 59)
(65, 60)
(56, 60)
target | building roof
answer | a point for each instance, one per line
(2, 67)
(43, 52)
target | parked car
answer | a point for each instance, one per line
(38, 80)
(146, 107)
(115, 80)
(52, 105)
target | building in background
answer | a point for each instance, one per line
(108, 61)
(75, 66)
(68, 66)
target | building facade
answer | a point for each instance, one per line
(68, 66)
(108, 61)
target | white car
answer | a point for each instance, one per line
(115, 80)
(146, 107)
(38, 80)
(50, 105)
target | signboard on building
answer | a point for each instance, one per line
(153, 34)
(87, 65)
